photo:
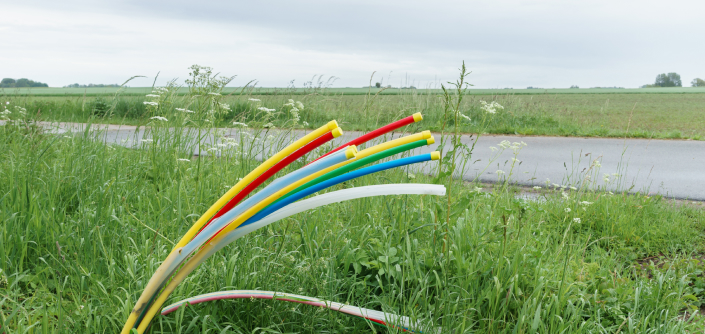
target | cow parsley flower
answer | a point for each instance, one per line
(465, 116)
(152, 95)
(576, 220)
(185, 110)
(567, 210)
(160, 118)
(214, 94)
(151, 103)
(184, 160)
(240, 124)
(491, 108)
(254, 100)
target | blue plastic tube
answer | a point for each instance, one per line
(336, 180)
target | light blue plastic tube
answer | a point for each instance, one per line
(273, 187)
(278, 184)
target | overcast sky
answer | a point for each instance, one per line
(504, 43)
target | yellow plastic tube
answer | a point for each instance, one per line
(156, 278)
(194, 261)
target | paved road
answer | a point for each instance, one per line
(673, 168)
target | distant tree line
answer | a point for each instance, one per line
(19, 83)
(673, 80)
(91, 85)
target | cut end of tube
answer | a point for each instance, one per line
(435, 155)
(351, 151)
(332, 125)
(417, 117)
(430, 141)
(426, 134)
(337, 132)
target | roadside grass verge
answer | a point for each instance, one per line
(85, 224)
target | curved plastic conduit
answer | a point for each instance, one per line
(376, 133)
(190, 265)
(175, 258)
(380, 318)
(142, 302)
(276, 168)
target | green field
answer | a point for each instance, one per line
(346, 91)
(637, 113)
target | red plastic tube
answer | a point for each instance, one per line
(276, 168)
(376, 133)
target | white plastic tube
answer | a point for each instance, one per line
(176, 258)
(325, 199)
(270, 189)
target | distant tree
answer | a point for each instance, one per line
(574, 86)
(668, 80)
(697, 82)
(24, 82)
(378, 85)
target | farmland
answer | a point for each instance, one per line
(85, 223)
(673, 113)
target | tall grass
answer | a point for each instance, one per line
(85, 224)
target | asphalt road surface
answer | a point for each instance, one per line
(673, 168)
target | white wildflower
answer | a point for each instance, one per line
(606, 178)
(491, 108)
(185, 110)
(240, 124)
(477, 189)
(537, 187)
(493, 149)
(411, 176)
(254, 100)
(160, 118)
(152, 95)
(214, 94)
(505, 144)
(596, 163)
(567, 210)
(576, 220)
(514, 160)
(305, 123)
(565, 196)
(268, 125)
(499, 172)
(267, 110)
(147, 141)
(465, 116)
(8, 102)
(184, 160)
(586, 203)
(573, 188)
(151, 103)
(299, 105)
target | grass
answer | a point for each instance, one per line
(85, 224)
(662, 116)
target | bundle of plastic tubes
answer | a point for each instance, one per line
(231, 217)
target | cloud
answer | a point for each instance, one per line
(504, 43)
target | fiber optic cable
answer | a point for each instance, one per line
(177, 257)
(190, 265)
(378, 317)
(361, 162)
(417, 117)
(332, 125)
(335, 133)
